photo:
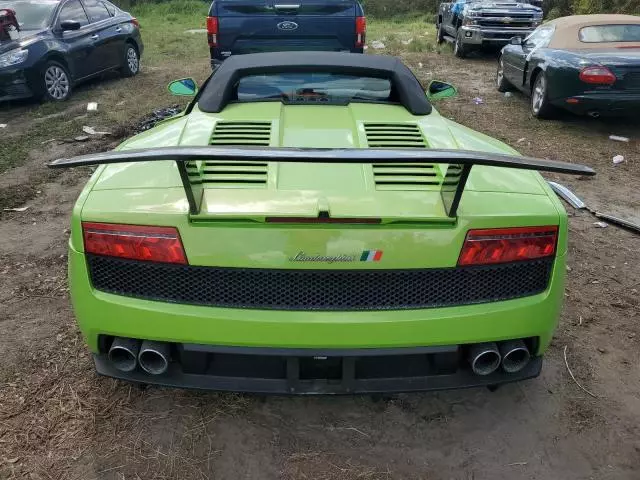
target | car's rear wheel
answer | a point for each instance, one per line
(540, 105)
(502, 83)
(459, 49)
(131, 61)
(56, 82)
(440, 37)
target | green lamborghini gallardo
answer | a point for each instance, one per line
(311, 224)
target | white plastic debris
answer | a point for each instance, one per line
(520, 140)
(18, 209)
(601, 224)
(478, 101)
(3, 125)
(407, 42)
(92, 131)
(92, 107)
(81, 138)
(618, 159)
(420, 65)
(618, 138)
(508, 94)
(378, 45)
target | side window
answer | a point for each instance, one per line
(96, 10)
(73, 11)
(110, 7)
(540, 38)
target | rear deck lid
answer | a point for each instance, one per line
(274, 25)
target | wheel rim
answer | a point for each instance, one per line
(537, 99)
(132, 60)
(56, 82)
(500, 74)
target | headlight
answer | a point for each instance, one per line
(469, 21)
(13, 57)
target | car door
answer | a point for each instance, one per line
(108, 42)
(517, 62)
(78, 43)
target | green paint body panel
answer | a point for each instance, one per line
(231, 231)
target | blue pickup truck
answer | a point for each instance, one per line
(250, 26)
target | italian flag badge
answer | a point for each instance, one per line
(371, 256)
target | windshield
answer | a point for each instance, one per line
(610, 33)
(34, 15)
(313, 88)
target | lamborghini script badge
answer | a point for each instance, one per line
(365, 256)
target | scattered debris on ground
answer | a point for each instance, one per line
(93, 131)
(378, 45)
(92, 107)
(149, 121)
(601, 224)
(618, 138)
(478, 100)
(618, 159)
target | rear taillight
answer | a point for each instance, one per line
(597, 76)
(135, 242)
(212, 31)
(361, 30)
(501, 245)
(135, 22)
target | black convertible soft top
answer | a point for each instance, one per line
(218, 91)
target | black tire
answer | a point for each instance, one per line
(540, 105)
(130, 61)
(459, 49)
(440, 35)
(502, 84)
(56, 83)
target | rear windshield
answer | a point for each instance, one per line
(313, 88)
(610, 33)
(35, 15)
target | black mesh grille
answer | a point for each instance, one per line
(318, 289)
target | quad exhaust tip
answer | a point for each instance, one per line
(484, 358)
(515, 355)
(123, 353)
(154, 357)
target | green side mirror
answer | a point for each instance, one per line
(185, 87)
(438, 90)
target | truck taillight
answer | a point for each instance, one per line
(361, 30)
(502, 245)
(212, 31)
(597, 76)
(134, 242)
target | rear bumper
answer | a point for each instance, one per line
(217, 57)
(99, 313)
(604, 104)
(272, 371)
(491, 36)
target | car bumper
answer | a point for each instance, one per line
(599, 104)
(14, 85)
(272, 371)
(490, 36)
(102, 315)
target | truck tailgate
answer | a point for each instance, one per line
(265, 25)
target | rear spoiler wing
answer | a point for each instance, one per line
(460, 163)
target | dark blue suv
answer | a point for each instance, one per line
(250, 26)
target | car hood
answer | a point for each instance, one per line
(22, 39)
(306, 189)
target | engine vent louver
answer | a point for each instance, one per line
(394, 135)
(399, 176)
(220, 173)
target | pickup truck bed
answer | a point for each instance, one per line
(250, 26)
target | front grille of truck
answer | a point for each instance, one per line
(341, 290)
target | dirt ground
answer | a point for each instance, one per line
(58, 420)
